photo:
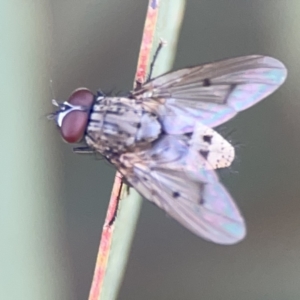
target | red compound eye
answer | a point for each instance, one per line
(74, 123)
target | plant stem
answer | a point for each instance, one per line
(125, 203)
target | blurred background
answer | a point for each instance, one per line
(53, 202)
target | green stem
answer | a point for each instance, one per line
(168, 27)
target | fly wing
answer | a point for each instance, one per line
(213, 93)
(173, 176)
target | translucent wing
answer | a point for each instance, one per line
(213, 93)
(173, 176)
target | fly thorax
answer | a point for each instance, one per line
(118, 124)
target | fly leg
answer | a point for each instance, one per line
(83, 150)
(138, 84)
(160, 45)
(123, 192)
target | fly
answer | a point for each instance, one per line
(161, 140)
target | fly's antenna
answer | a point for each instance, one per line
(51, 89)
(53, 115)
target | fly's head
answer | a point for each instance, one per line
(72, 116)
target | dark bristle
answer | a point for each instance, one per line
(175, 195)
(206, 82)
